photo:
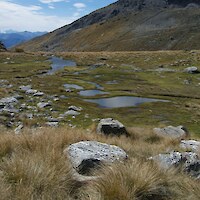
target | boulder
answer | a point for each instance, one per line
(189, 162)
(38, 94)
(43, 104)
(71, 112)
(110, 126)
(191, 70)
(8, 100)
(178, 132)
(190, 144)
(75, 108)
(25, 87)
(31, 91)
(87, 155)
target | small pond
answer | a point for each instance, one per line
(122, 101)
(73, 86)
(59, 63)
(91, 92)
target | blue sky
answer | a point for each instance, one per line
(44, 15)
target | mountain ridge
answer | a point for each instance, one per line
(127, 25)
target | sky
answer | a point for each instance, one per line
(44, 15)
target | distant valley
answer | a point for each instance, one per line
(11, 39)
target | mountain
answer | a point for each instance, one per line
(11, 38)
(128, 25)
(2, 47)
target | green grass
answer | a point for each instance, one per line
(118, 66)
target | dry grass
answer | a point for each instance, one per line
(32, 166)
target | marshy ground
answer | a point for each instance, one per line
(157, 75)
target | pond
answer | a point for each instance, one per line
(73, 86)
(91, 92)
(59, 63)
(122, 101)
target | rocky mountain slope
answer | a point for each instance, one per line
(128, 25)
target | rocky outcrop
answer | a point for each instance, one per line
(178, 132)
(88, 155)
(110, 126)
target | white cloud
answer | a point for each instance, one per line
(79, 5)
(18, 17)
(51, 1)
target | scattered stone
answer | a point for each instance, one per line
(52, 124)
(25, 88)
(18, 129)
(171, 131)
(71, 112)
(8, 100)
(31, 91)
(51, 119)
(87, 155)
(74, 108)
(43, 104)
(191, 70)
(38, 94)
(190, 144)
(110, 126)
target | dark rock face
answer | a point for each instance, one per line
(2, 47)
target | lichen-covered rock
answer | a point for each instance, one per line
(110, 126)
(88, 155)
(189, 162)
(190, 144)
(179, 132)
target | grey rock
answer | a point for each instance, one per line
(43, 104)
(174, 158)
(18, 129)
(189, 162)
(38, 94)
(25, 87)
(171, 131)
(31, 91)
(110, 126)
(52, 124)
(190, 144)
(75, 108)
(87, 155)
(191, 70)
(8, 100)
(71, 112)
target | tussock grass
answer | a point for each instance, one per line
(32, 166)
